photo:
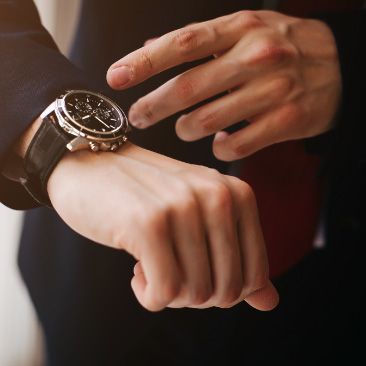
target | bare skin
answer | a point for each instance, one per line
(194, 232)
(283, 74)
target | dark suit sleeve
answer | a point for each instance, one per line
(32, 73)
(346, 160)
(350, 34)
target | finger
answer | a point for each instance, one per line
(223, 246)
(194, 42)
(186, 230)
(264, 299)
(257, 288)
(137, 269)
(159, 282)
(185, 90)
(151, 40)
(192, 255)
(252, 99)
(272, 127)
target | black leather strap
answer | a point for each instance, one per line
(44, 152)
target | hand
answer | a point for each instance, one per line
(282, 71)
(194, 232)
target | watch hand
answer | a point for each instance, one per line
(101, 121)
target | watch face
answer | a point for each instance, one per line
(93, 113)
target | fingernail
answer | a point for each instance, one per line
(221, 136)
(121, 75)
(137, 120)
(182, 118)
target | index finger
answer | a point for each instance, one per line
(187, 44)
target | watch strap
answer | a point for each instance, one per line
(44, 152)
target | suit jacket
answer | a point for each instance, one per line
(81, 290)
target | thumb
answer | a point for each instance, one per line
(264, 299)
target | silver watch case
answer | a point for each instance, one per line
(57, 112)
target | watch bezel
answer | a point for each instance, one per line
(71, 126)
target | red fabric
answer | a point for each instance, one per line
(288, 190)
(284, 177)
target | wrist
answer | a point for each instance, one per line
(21, 146)
(76, 120)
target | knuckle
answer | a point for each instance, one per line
(231, 294)
(162, 295)
(209, 123)
(200, 295)
(243, 190)
(155, 220)
(168, 291)
(145, 109)
(186, 204)
(185, 89)
(145, 61)
(152, 304)
(246, 20)
(268, 51)
(282, 87)
(236, 150)
(247, 194)
(186, 40)
(180, 199)
(221, 197)
(290, 113)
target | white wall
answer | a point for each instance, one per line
(20, 337)
(20, 334)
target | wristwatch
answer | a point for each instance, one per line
(76, 120)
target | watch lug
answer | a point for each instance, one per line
(48, 110)
(78, 143)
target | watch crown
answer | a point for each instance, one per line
(94, 146)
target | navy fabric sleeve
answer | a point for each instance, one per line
(33, 73)
(346, 160)
(349, 30)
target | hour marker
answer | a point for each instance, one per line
(111, 126)
(87, 99)
(70, 104)
(99, 104)
(113, 119)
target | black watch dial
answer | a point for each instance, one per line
(93, 113)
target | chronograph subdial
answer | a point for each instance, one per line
(83, 107)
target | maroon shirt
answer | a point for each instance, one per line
(286, 178)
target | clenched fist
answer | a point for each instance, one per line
(194, 232)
